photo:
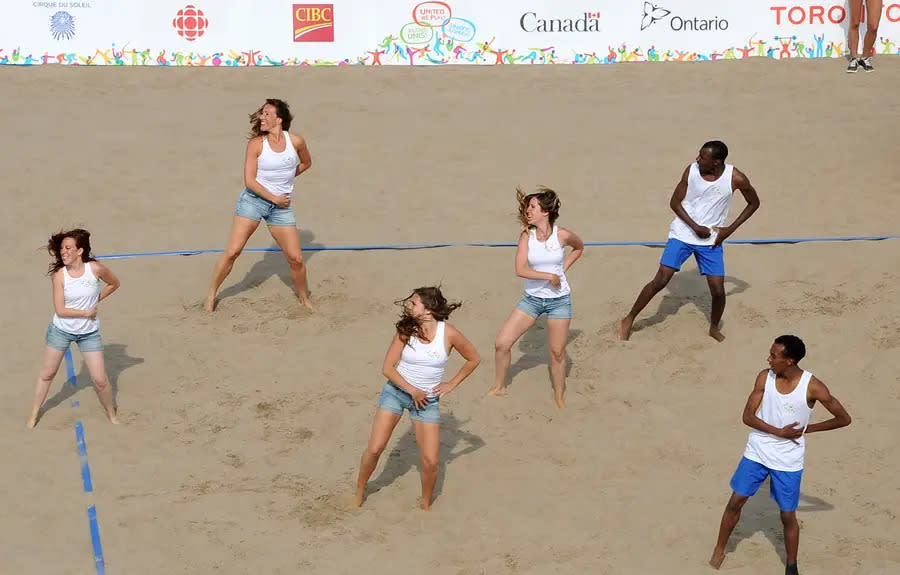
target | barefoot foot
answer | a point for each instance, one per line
(305, 303)
(717, 558)
(32, 421)
(497, 390)
(210, 303)
(113, 418)
(358, 497)
(560, 401)
(424, 506)
(625, 328)
(716, 334)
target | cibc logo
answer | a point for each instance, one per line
(190, 22)
(313, 22)
(654, 13)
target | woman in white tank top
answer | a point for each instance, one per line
(414, 366)
(542, 261)
(75, 277)
(274, 158)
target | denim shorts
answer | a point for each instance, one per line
(255, 208)
(784, 486)
(554, 307)
(59, 339)
(710, 260)
(395, 400)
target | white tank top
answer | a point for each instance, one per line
(547, 257)
(422, 364)
(779, 410)
(81, 293)
(276, 171)
(707, 203)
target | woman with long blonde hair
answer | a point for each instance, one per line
(542, 261)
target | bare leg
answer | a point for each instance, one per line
(557, 338)
(873, 19)
(516, 324)
(428, 437)
(717, 291)
(97, 368)
(382, 428)
(52, 358)
(791, 536)
(659, 281)
(241, 230)
(729, 519)
(288, 240)
(853, 28)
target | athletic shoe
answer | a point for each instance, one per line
(866, 64)
(853, 66)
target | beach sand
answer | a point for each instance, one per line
(242, 430)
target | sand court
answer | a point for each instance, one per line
(242, 430)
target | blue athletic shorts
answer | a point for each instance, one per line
(710, 260)
(784, 486)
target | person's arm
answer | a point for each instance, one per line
(59, 300)
(465, 348)
(750, 419)
(675, 203)
(302, 151)
(740, 182)
(571, 239)
(818, 391)
(389, 370)
(109, 278)
(522, 268)
(254, 149)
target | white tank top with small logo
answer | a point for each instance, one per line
(547, 257)
(778, 410)
(422, 364)
(707, 203)
(276, 171)
(81, 293)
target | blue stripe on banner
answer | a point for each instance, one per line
(95, 540)
(82, 457)
(492, 245)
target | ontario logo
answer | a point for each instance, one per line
(190, 22)
(654, 13)
(313, 22)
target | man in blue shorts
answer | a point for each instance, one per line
(701, 202)
(778, 411)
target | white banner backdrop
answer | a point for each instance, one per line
(354, 32)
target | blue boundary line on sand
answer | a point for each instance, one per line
(492, 245)
(85, 472)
